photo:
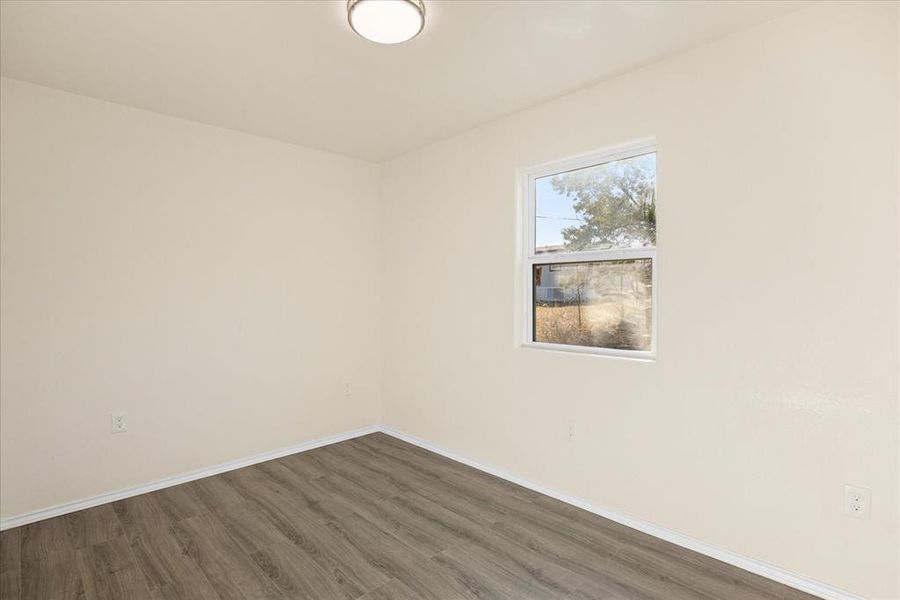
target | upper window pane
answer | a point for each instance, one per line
(601, 207)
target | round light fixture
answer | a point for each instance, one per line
(386, 21)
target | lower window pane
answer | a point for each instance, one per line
(606, 304)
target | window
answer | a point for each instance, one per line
(590, 253)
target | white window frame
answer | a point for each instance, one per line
(530, 258)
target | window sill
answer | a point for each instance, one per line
(633, 355)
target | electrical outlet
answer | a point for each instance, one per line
(348, 390)
(570, 433)
(857, 502)
(117, 423)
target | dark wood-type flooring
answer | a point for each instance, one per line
(370, 518)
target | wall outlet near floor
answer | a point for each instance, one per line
(117, 423)
(857, 501)
(348, 389)
(570, 433)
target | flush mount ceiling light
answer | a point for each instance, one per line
(386, 21)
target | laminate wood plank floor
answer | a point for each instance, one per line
(371, 518)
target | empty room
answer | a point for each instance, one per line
(449, 300)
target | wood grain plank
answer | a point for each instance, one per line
(214, 491)
(94, 526)
(10, 549)
(393, 590)
(227, 566)
(296, 574)
(192, 588)
(179, 502)
(322, 545)
(305, 465)
(48, 540)
(51, 579)
(142, 517)
(163, 561)
(10, 585)
(401, 561)
(109, 572)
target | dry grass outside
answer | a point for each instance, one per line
(622, 324)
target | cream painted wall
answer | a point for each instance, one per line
(776, 381)
(216, 286)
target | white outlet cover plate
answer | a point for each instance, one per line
(857, 502)
(117, 423)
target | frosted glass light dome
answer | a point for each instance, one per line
(386, 21)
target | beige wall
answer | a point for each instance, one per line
(776, 381)
(216, 286)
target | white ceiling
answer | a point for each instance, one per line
(295, 71)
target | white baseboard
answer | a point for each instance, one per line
(748, 564)
(68, 507)
(758, 567)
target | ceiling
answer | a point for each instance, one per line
(295, 71)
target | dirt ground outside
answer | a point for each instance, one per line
(622, 323)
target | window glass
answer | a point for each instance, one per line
(602, 207)
(604, 304)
